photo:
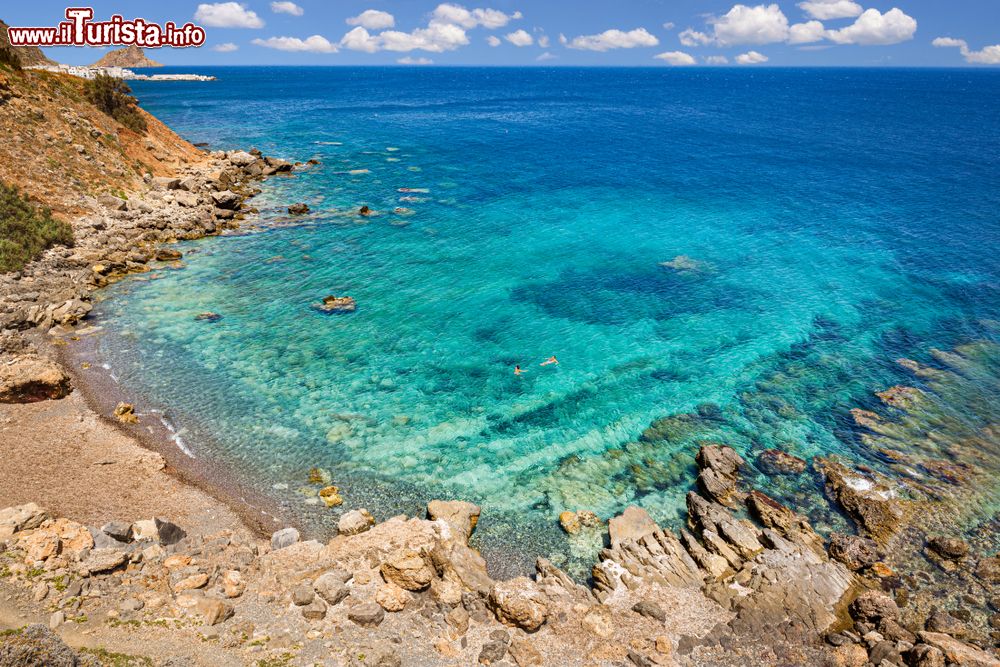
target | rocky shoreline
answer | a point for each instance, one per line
(745, 581)
(754, 589)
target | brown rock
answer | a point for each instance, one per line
(30, 378)
(951, 548)
(194, 582)
(600, 621)
(848, 655)
(873, 606)
(989, 569)
(460, 516)
(778, 462)
(355, 522)
(338, 304)
(958, 653)
(573, 522)
(391, 597)
(524, 653)
(518, 602)
(869, 501)
(853, 551)
(632, 524)
(408, 570)
(232, 583)
(125, 413)
(367, 614)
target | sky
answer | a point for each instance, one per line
(646, 33)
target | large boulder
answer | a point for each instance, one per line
(867, 499)
(874, 606)
(957, 652)
(30, 378)
(719, 468)
(632, 524)
(460, 516)
(355, 522)
(241, 159)
(778, 462)
(854, 551)
(519, 603)
(408, 570)
(226, 200)
(21, 517)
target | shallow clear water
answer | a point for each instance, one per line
(834, 220)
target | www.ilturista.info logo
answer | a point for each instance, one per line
(79, 30)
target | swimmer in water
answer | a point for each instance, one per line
(518, 370)
(550, 360)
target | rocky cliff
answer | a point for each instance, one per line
(130, 56)
(27, 55)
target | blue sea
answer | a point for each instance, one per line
(740, 254)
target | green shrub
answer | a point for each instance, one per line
(114, 97)
(26, 230)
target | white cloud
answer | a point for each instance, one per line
(873, 27)
(227, 15)
(717, 60)
(544, 42)
(228, 47)
(751, 58)
(435, 38)
(613, 39)
(287, 8)
(675, 58)
(669, 25)
(409, 60)
(314, 44)
(988, 55)
(691, 37)
(373, 19)
(545, 56)
(761, 24)
(520, 38)
(805, 33)
(466, 18)
(493, 40)
(824, 10)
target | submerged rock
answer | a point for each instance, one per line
(950, 548)
(778, 462)
(298, 209)
(573, 522)
(338, 304)
(330, 495)
(870, 502)
(853, 551)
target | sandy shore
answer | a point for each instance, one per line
(63, 455)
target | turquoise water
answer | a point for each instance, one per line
(832, 221)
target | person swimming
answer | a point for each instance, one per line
(550, 360)
(518, 370)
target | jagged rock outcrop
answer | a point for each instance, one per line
(719, 470)
(866, 497)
